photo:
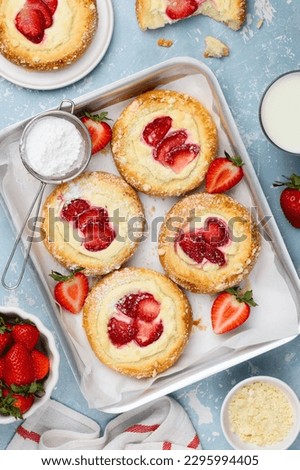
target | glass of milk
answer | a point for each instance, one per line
(279, 112)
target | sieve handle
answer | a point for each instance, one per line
(38, 200)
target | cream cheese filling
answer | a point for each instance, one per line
(143, 153)
(132, 352)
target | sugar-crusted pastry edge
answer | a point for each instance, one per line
(148, 367)
(209, 145)
(198, 281)
(235, 19)
(92, 266)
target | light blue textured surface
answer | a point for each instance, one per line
(256, 57)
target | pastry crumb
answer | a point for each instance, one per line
(215, 48)
(198, 323)
(165, 42)
(260, 23)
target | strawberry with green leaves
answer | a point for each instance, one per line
(223, 174)
(27, 334)
(290, 199)
(231, 309)
(71, 290)
(18, 366)
(14, 404)
(99, 130)
(5, 336)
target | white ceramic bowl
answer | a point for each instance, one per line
(235, 441)
(52, 352)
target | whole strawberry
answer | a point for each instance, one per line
(5, 335)
(14, 404)
(26, 334)
(99, 130)
(18, 366)
(290, 199)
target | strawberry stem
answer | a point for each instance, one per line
(98, 117)
(64, 277)
(246, 297)
(292, 182)
(237, 161)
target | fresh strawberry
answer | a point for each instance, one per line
(231, 309)
(72, 209)
(290, 199)
(173, 140)
(100, 131)
(18, 366)
(127, 305)
(14, 404)
(98, 236)
(26, 334)
(31, 23)
(147, 332)
(52, 5)
(147, 307)
(224, 173)
(214, 255)
(179, 157)
(1, 367)
(41, 364)
(156, 130)
(71, 290)
(41, 6)
(215, 232)
(178, 9)
(5, 336)
(121, 332)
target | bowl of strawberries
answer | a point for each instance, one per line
(29, 362)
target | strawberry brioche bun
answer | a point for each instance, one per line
(137, 321)
(163, 143)
(46, 34)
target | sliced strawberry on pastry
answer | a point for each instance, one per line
(179, 9)
(52, 5)
(121, 332)
(147, 332)
(215, 232)
(156, 130)
(179, 157)
(73, 209)
(193, 245)
(214, 255)
(43, 8)
(31, 23)
(98, 236)
(93, 214)
(147, 307)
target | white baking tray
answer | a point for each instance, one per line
(189, 75)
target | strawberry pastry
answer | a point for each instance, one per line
(137, 321)
(46, 34)
(154, 14)
(163, 143)
(87, 223)
(208, 243)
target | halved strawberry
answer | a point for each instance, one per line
(214, 255)
(121, 332)
(31, 23)
(193, 244)
(178, 9)
(215, 232)
(52, 5)
(71, 290)
(147, 332)
(156, 130)
(72, 209)
(98, 236)
(231, 309)
(179, 157)
(128, 305)
(99, 130)
(41, 364)
(43, 8)
(224, 173)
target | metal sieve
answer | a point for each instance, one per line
(68, 115)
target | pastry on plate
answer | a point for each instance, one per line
(152, 14)
(46, 34)
(163, 143)
(94, 221)
(208, 243)
(137, 321)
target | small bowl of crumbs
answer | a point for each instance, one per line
(261, 413)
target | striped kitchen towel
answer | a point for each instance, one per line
(160, 425)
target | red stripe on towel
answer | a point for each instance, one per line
(33, 436)
(194, 442)
(142, 428)
(167, 445)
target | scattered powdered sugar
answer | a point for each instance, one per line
(54, 147)
(264, 10)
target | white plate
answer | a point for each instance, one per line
(60, 78)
